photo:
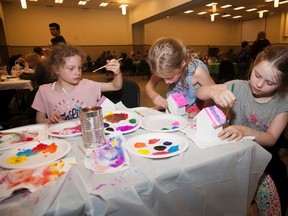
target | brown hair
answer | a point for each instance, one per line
(33, 59)
(278, 57)
(55, 59)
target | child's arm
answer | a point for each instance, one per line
(157, 99)
(219, 93)
(265, 139)
(116, 84)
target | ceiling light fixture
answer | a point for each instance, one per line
(252, 9)
(239, 8)
(59, 1)
(261, 13)
(201, 13)
(213, 5)
(212, 17)
(103, 4)
(82, 2)
(226, 6)
(123, 8)
(23, 4)
(276, 3)
(188, 11)
(226, 15)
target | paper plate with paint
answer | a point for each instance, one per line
(157, 145)
(121, 120)
(164, 123)
(22, 135)
(66, 129)
(35, 154)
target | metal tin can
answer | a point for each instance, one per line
(92, 126)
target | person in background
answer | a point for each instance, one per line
(259, 44)
(13, 60)
(41, 75)
(259, 108)
(40, 52)
(63, 99)
(169, 59)
(55, 32)
(243, 60)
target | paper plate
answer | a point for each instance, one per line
(35, 154)
(21, 135)
(66, 129)
(121, 120)
(164, 123)
(157, 145)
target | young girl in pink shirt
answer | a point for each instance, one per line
(63, 99)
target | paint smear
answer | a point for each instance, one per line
(125, 128)
(22, 156)
(143, 151)
(115, 117)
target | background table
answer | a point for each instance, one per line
(16, 83)
(220, 180)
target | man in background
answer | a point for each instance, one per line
(55, 32)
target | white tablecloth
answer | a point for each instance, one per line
(16, 83)
(218, 180)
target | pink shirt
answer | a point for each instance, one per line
(48, 101)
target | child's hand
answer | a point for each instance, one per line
(224, 99)
(232, 132)
(160, 101)
(54, 118)
(114, 66)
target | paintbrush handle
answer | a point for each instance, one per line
(104, 66)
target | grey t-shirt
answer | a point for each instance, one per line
(252, 114)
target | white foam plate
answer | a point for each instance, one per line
(34, 154)
(21, 135)
(163, 123)
(65, 129)
(123, 121)
(157, 145)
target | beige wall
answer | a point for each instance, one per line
(95, 31)
(78, 26)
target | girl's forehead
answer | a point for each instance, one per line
(267, 70)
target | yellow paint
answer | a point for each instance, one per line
(143, 151)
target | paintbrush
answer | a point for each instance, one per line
(104, 66)
(228, 110)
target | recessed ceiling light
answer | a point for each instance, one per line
(211, 4)
(82, 2)
(201, 13)
(251, 9)
(189, 11)
(59, 1)
(226, 15)
(239, 8)
(283, 2)
(226, 6)
(103, 4)
(235, 17)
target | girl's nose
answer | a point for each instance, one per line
(260, 83)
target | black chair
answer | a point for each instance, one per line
(226, 71)
(129, 94)
(31, 111)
